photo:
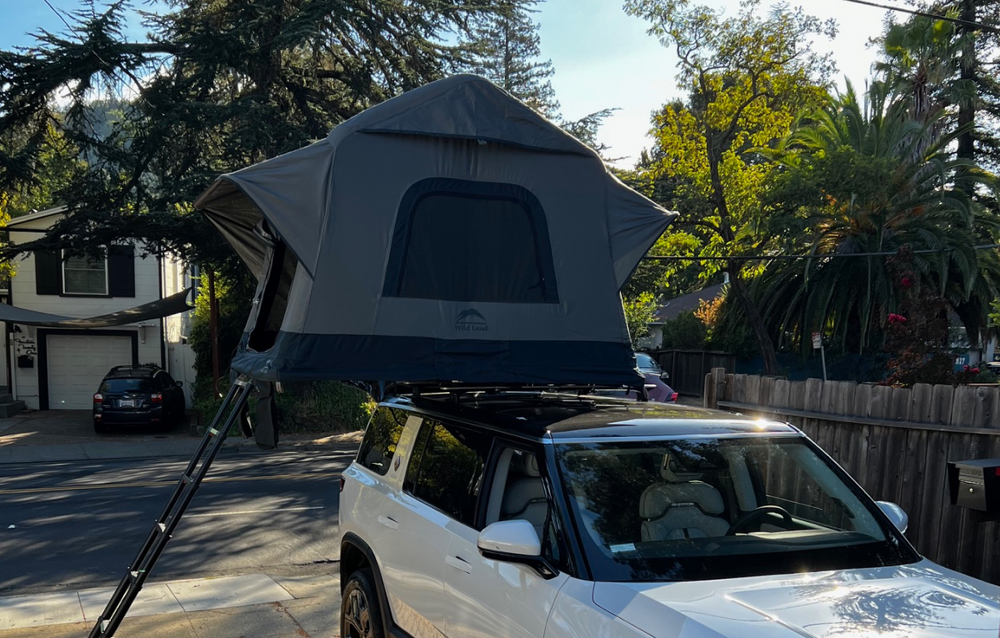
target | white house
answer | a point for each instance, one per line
(60, 368)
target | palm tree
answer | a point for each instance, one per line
(874, 180)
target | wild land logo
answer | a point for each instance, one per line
(471, 321)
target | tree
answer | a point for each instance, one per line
(871, 179)
(504, 47)
(748, 78)
(218, 85)
(951, 66)
(639, 313)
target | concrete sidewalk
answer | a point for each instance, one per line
(250, 606)
(67, 435)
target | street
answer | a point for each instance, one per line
(79, 524)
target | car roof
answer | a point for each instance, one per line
(560, 416)
(129, 372)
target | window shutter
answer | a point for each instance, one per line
(48, 272)
(121, 271)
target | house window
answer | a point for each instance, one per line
(83, 275)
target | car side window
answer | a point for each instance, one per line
(518, 492)
(379, 444)
(446, 469)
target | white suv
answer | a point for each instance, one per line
(527, 515)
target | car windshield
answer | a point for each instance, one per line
(142, 384)
(646, 362)
(698, 509)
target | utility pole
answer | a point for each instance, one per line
(213, 323)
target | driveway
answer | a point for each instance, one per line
(75, 427)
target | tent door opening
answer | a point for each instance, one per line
(271, 297)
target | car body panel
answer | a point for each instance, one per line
(438, 583)
(485, 598)
(916, 601)
(574, 615)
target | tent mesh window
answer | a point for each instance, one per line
(457, 240)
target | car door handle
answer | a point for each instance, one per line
(458, 563)
(388, 522)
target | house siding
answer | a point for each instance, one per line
(23, 294)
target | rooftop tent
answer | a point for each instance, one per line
(448, 234)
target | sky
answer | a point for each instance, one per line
(602, 57)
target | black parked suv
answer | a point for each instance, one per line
(137, 395)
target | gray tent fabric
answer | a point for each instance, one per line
(448, 234)
(165, 307)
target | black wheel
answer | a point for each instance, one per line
(360, 616)
(99, 427)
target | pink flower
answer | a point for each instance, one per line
(974, 371)
(894, 318)
(906, 282)
(966, 368)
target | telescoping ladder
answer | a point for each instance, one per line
(211, 443)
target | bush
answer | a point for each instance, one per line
(685, 332)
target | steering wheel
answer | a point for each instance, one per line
(761, 512)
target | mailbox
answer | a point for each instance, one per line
(976, 485)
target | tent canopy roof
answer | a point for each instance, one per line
(450, 233)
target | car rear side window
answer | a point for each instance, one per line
(141, 384)
(381, 437)
(446, 469)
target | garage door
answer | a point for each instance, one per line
(76, 365)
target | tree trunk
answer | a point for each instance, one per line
(738, 287)
(967, 108)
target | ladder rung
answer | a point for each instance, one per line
(186, 479)
(213, 431)
(162, 526)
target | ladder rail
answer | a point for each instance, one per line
(211, 443)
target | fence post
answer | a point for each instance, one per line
(715, 387)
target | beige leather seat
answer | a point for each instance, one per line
(525, 496)
(681, 507)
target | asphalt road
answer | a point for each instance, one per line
(80, 524)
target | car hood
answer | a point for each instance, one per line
(915, 601)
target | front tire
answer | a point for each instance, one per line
(360, 615)
(100, 428)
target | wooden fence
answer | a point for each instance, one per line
(896, 442)
(688, 368)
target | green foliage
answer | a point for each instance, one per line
(748, 77)
(324, 406)
(504, 47)
(684, 332)
(639, 312)
(234, 297)
(216, 86)
(869, 178)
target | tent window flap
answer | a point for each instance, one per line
(458, 240)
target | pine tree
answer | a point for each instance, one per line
(504, 47)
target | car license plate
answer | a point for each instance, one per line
(126, 403)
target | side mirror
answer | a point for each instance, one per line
(515, 541)
(896, 514)
(664, 376)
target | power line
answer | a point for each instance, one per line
(922, 251)
(925, 14)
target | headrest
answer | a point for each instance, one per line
(525, 463)
(659, 498)
(672, 473)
